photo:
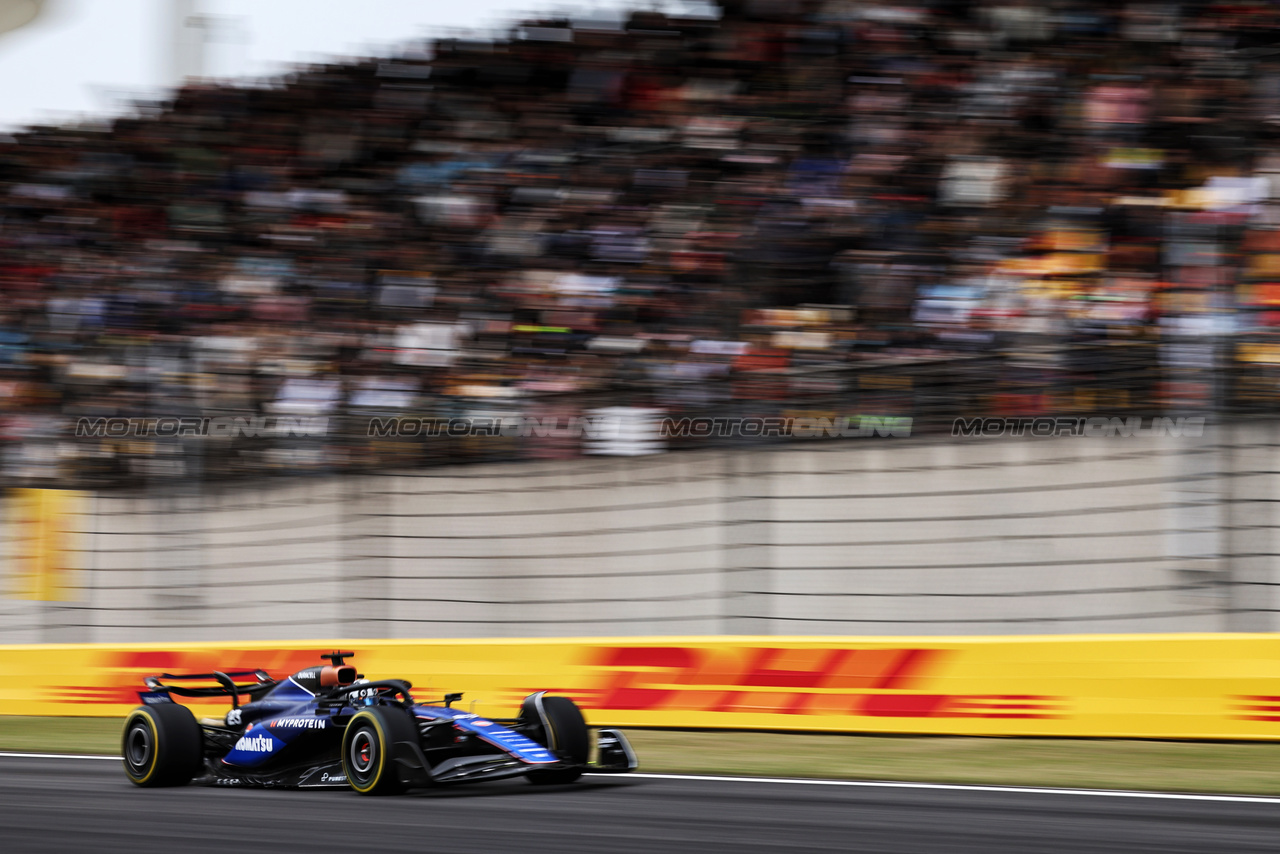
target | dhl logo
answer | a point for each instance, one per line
(871, 682)
(820, 681)
(122, 672)
(1257, 708)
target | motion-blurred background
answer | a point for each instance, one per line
(916, 211)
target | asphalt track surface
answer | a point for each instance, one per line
(87, 805)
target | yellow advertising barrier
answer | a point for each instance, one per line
(43, 543)
(1208, 686)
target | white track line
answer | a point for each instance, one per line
(58, 756)
(861, 784)
(953, 787)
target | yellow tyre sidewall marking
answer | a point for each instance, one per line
(155, 746)
(382, 751)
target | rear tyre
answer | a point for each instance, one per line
(162, 746)
(367, 750)
(565, 734)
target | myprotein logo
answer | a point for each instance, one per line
(256, 744)
(301, 723)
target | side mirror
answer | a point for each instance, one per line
(450, 699)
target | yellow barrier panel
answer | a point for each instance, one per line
(43, 522)
(1136, 686)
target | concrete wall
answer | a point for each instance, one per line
(917, 536)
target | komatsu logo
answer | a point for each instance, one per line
(256, 744)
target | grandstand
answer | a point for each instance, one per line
(922, 210)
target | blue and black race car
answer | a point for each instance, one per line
(329, 726)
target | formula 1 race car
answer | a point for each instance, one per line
(329, 726)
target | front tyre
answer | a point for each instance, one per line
(162, 746)
(566, 735)
(366, 750)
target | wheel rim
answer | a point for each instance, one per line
(138, 747)
(363, 753)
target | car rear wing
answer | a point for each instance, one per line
(226, 687)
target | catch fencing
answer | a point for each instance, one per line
(1207, 376)
(920, 536)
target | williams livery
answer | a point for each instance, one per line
(329, 726)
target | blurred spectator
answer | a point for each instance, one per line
(618, 216)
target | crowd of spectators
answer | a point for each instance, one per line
(675, 212)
